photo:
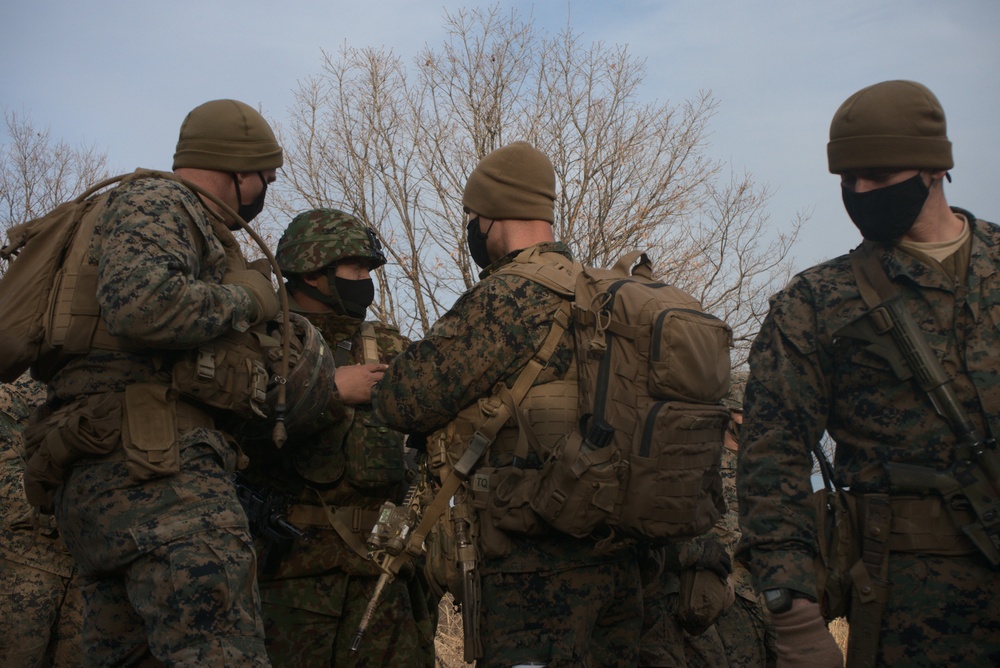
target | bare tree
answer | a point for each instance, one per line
(394, 145)
(38, 173)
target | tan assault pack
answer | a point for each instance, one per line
(40, 253)
(652, 368)
(48, 306)
(49, 310)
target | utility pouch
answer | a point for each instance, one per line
(374, 454)
(704, 596)
(88, 427)
(839, 551)
(230, 373)
(441, 558)
(577, 489)
(149, 432)
(503, 497)
(674, 489)
(689, 356)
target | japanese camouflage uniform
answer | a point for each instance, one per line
(40, 607)
(943, 603)
(336, 481)
(167, 564)
(546, 597)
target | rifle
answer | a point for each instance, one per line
(386, 547)
(265, 511)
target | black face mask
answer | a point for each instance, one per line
(477, 242)
(356, 296)
(249, 211)
(887, 213)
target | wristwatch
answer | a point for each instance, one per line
(778, 600)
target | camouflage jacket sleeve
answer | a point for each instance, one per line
(785, 411)
(160, 268)
(487, 337)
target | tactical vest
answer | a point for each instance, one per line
(355, 448)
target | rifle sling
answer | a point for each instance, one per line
(483, 437)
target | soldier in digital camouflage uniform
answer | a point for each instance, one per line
(813, 369)
(315, 593)
(545, 597)
(40, 606)
(161, 542)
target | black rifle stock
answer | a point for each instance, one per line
(265, 513)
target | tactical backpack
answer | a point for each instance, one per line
(652, 367)
(38, 251)
(642, 459)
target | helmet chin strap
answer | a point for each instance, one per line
(332, 300)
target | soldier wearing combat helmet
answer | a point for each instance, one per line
(848, 348)
(336, 480)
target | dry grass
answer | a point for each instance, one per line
(449, 644)
(839, 628)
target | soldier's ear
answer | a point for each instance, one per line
(316, 279)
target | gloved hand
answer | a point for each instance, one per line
(715, 558)
(803, 639)
(261, 292)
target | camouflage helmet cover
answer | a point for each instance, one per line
(734, 400)
(316, 239)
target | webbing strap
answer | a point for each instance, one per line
(345, 533)
(873, 283)
(369, 343)
(871, 582)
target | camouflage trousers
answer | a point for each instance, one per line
(167, 565)
(942, 611)
(41, 614)
(583, 616)
(747, 638)
(665, 644)
(310, 622)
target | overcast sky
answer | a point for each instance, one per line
(122, 75)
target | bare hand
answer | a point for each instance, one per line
(355, 382)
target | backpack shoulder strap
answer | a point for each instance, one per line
(551, 270)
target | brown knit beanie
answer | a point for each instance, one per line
(515, 182)
(893, 125)
(227, 136)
